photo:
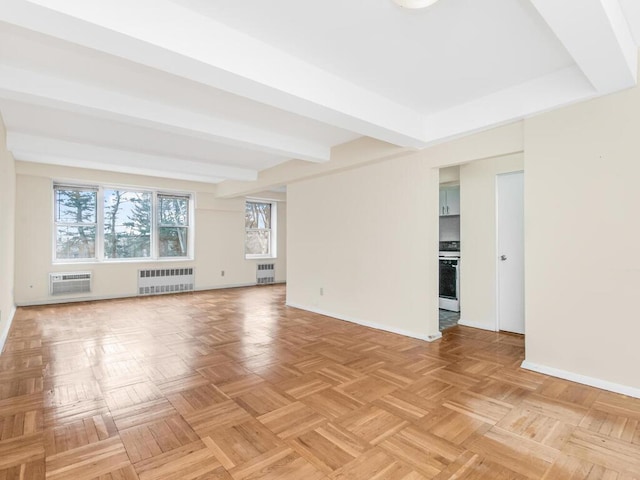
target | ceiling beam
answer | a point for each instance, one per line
(51, 91)
(496, 142)
(631, 10)
(33, 148)
(169, 37)
(597, 36)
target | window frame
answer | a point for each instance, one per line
(152, 252)
(273, 231)
(56, 223)
(157, 225)
(99, 253)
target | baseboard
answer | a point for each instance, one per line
(56, 301)
(95, 298)
(227, 285)
(4, 334)
(583, 379)
(377, 326)
(469, 323)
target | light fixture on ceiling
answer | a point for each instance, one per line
(414, 3)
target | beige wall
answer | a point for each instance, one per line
(367, 237)
(450, 175)
(7, 209)
(478, 238)
(582, 237)
(361, 235)
(219, 236)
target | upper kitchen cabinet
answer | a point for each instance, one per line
(450, 200)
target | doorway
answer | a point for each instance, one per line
(510, 250)
(449, 248)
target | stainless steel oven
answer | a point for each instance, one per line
(450, 281)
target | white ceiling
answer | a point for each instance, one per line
(221, 89)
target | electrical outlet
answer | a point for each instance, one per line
(222, 273)
(321, 291)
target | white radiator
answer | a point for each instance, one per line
(69, 282)
(165, 280)
(266, 273)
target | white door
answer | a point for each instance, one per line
(510, 225)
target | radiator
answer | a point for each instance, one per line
(266, 273)
(69, 282)
(165, 280)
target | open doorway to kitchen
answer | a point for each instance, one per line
(449, 251)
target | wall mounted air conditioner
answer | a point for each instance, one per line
(69, 282)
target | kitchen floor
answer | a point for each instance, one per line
(448, 319)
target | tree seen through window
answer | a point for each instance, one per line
(258, 220)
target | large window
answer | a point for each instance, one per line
(259, 222)
(173, 222)
(76, 222)
(127, 224)
(96, 223)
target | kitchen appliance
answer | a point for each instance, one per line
(450, 276)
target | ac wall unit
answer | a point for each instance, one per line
(69, 282)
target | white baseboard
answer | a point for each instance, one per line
(583, 379)
(55, 301)
(4, 334)
(94, 298)
(226, 285)
(472, 324)
(377, 326)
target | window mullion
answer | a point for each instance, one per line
(155, 230)
(100, 225)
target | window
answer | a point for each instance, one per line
(75, 222)
(127, 224)
(259, 222)
(173, 222)
(95, 223)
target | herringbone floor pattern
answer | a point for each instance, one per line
(232, 384)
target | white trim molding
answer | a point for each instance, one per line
(4, 334)
(469, 323)
(377, 326)
(583, 379)
(97, 298)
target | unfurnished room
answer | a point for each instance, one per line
(338, 240)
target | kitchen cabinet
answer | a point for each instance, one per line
(450, 200)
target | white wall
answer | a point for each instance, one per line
(582, 237)
(219, 237)
(368, 238)
(450, 175)
(369, 235)
(478, 238)
(7, 210)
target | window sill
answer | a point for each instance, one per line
(260, 257)
(124, 260)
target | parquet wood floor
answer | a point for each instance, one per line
(233, 385)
